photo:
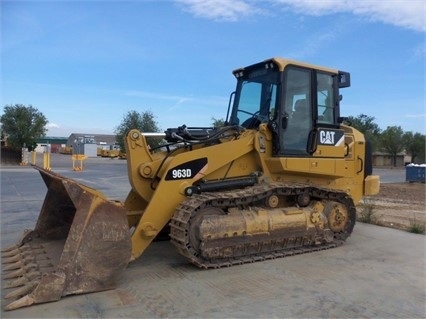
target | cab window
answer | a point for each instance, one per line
(325, 99)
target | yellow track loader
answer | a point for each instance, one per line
(281, 177)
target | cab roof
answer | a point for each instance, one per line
(283, 62)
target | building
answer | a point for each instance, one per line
(77, 143)
(88, 144)
(51, 144)
(100, 139)
(381, 159)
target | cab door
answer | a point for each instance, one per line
(296, 112)
(309, 114)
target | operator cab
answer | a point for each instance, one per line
(294, 99)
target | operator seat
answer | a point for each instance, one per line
(299, 126)
(301, 111)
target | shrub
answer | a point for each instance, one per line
(367, 212)
(416, 227)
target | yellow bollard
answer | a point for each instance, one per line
(33, 157)
(46, 161)
(80, 158)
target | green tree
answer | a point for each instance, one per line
(367, 126)
(414, 144)
(392, 142)
(144, 122)
(23, 125)
(218, 122)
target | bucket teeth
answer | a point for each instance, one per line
(11, 253)
(14, 256)
(22, 302)
(12, 259)
(17, 249)
(16, 283)
(10, 248)
(25, 279)
(22, 290)
(42, 260)
(26, 269)
(22, 256)
(27, 264)
(18, 264)
(23, 268)
(15, 274)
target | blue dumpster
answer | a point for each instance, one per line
(415, 173)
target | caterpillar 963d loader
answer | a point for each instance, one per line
(281, 177)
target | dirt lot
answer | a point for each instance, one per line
(400, 206)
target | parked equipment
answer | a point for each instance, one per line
(281, 177)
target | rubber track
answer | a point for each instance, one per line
(180, 222)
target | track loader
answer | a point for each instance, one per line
(281, 177)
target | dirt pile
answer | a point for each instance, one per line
(399, 205)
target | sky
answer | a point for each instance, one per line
(86, 64)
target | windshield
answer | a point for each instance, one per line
(255, 98)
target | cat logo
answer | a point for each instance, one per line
(327, 137)
(330, 137)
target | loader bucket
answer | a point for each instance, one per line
(80, 244)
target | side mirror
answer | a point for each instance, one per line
(342, 119)
(344, 79)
